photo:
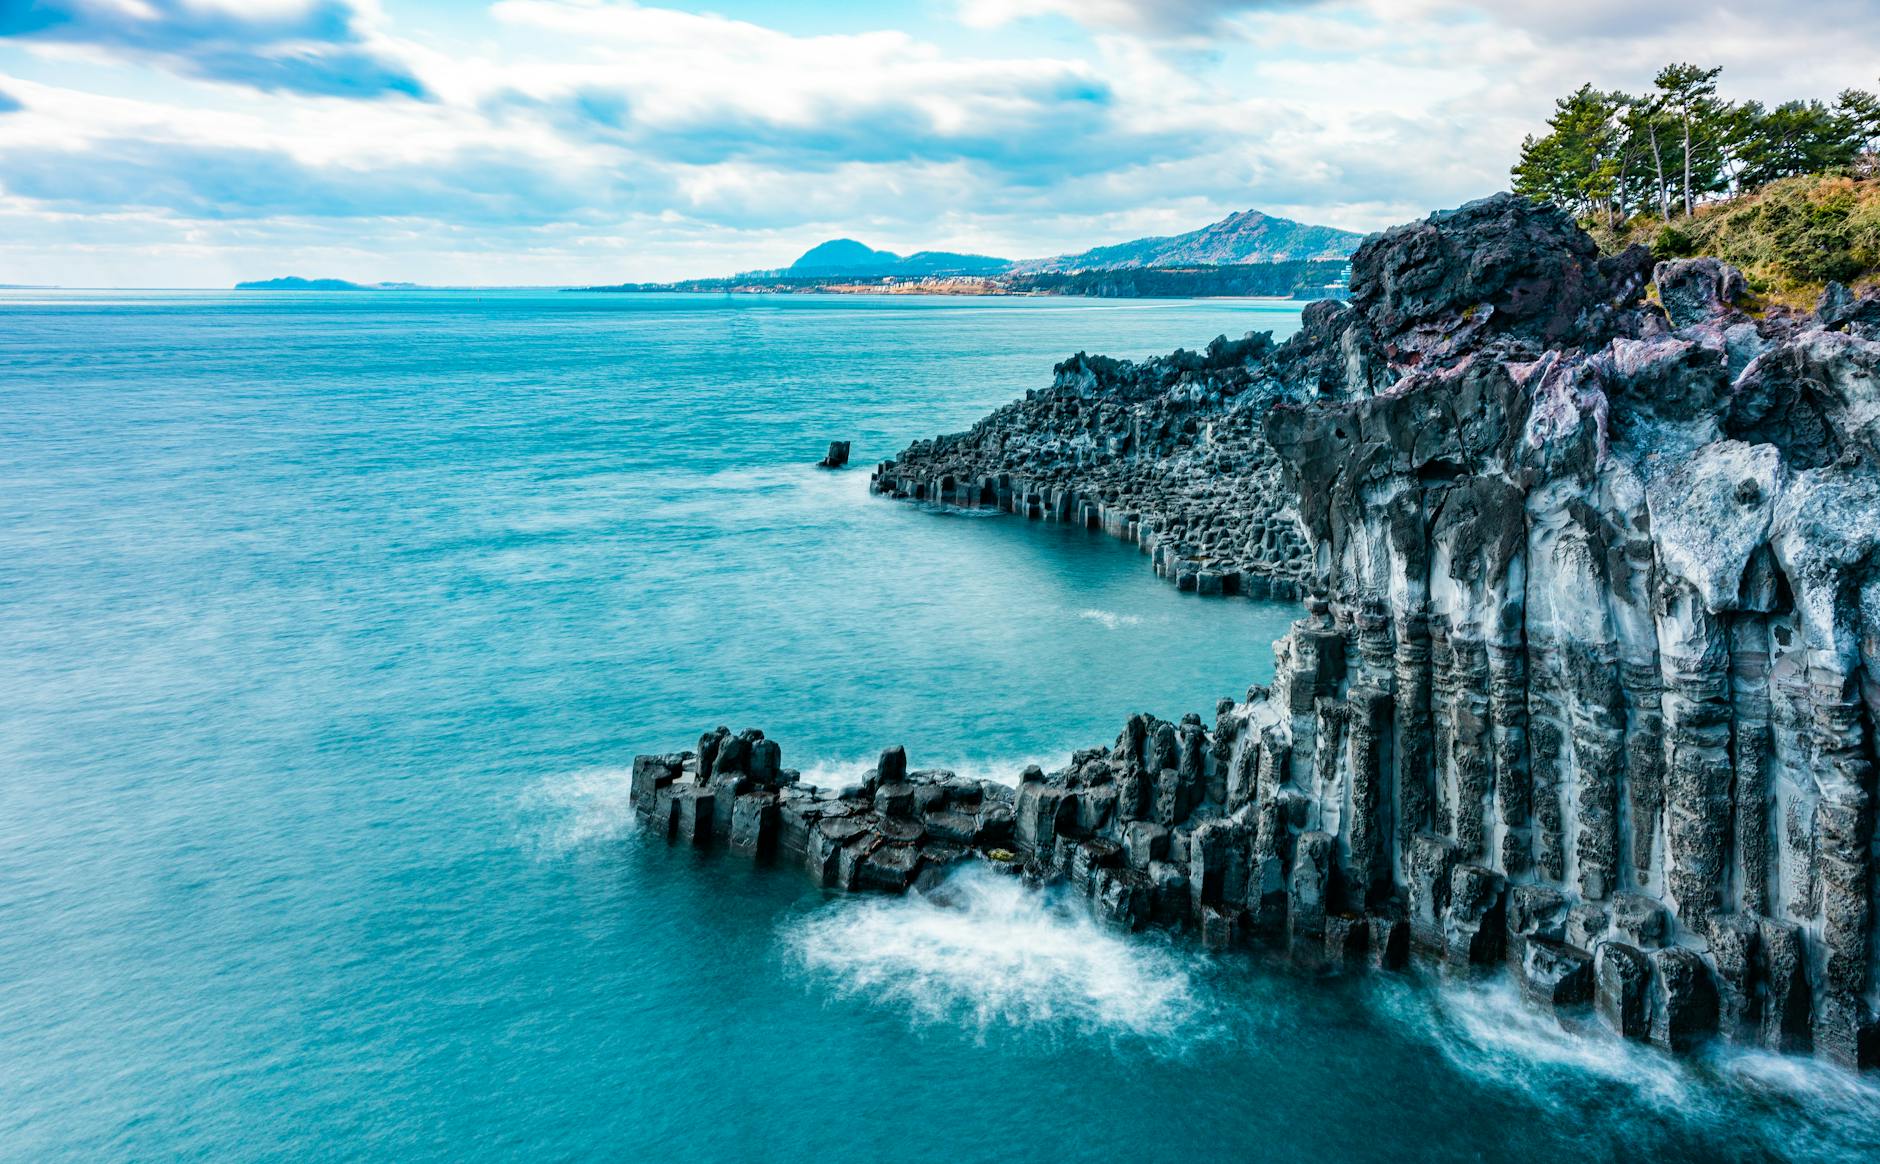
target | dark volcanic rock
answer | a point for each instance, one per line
(1500, 266)
(1696, 290)
(1585, 676)
(1169, 454)
(837, 457)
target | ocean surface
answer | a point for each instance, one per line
(329, 626)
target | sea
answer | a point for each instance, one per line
(330, 625)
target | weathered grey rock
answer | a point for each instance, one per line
(754, 824)
(1622, 979)
(1474, 923)
(1388, 942)
(1168, 454)
(766, 765)
(1429, 864)
(1588, 923)
(1307, 891)
(1536, 911)
(892, 767)
(1842, 310)
(1347, 940)
(1586, 660)
(650, 775)
(1783, 1021)
(1222, 928)
(1694, 290)
(1638, 920)
(1556, 974)
(693, 817)
(1501, 265)
(1684, 1000)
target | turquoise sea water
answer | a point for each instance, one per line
(330, 624)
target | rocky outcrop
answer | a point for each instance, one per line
(1585, 683)
(837, 457)
(1602, 574)
(1168, 454)
(895, 830)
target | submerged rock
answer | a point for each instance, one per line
(1584, 683)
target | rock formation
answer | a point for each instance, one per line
(837, 457)
(1168, 454)
(1585, 683)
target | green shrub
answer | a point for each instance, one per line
(1672, 242)
(1796, 234)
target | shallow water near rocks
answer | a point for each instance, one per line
(332, 623)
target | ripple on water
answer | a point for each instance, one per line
(1109, 619)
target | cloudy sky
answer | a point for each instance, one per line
(196, 142)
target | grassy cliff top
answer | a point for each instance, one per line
(1789, 238)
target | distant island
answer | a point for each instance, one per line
(1318, 279)
(1246, 237)
(296, 283)
(1244, 254)
(846, 258)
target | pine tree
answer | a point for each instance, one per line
(1686, 91)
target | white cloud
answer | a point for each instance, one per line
(585, 140)
(1153, 17)
(323, 47)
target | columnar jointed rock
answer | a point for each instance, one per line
(1586, 681)
(1168, 454)
(887, 833)
(1625, 555)
(836, 457)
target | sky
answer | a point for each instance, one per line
(192, 143)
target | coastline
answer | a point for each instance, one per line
(1478, 749)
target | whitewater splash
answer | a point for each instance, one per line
(1777, 1107)
(984, 952)
(840, 773)
(577, 810)
(1109, 619)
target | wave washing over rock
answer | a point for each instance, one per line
(1584, 685)
(983, 952)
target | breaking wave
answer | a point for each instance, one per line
(1774, 1107)
(576, 810)
(984, 952)
(1109, 619)
(1000, 770)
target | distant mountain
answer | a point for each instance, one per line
(296, 283)
(1246, 237)
(845, 257)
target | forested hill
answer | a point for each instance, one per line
(1789, 193)
(1609, 155)
(1246, 237)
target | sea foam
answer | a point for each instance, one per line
(1777, 1106)
(984, 952)
(1109, 619)
(577, 810)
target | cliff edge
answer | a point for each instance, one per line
(1585, 679)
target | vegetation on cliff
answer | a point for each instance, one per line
(1788, 194)
(1608, 156)
(1789, 239)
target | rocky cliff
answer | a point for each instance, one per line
(1169, 454)
(1585, 679)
